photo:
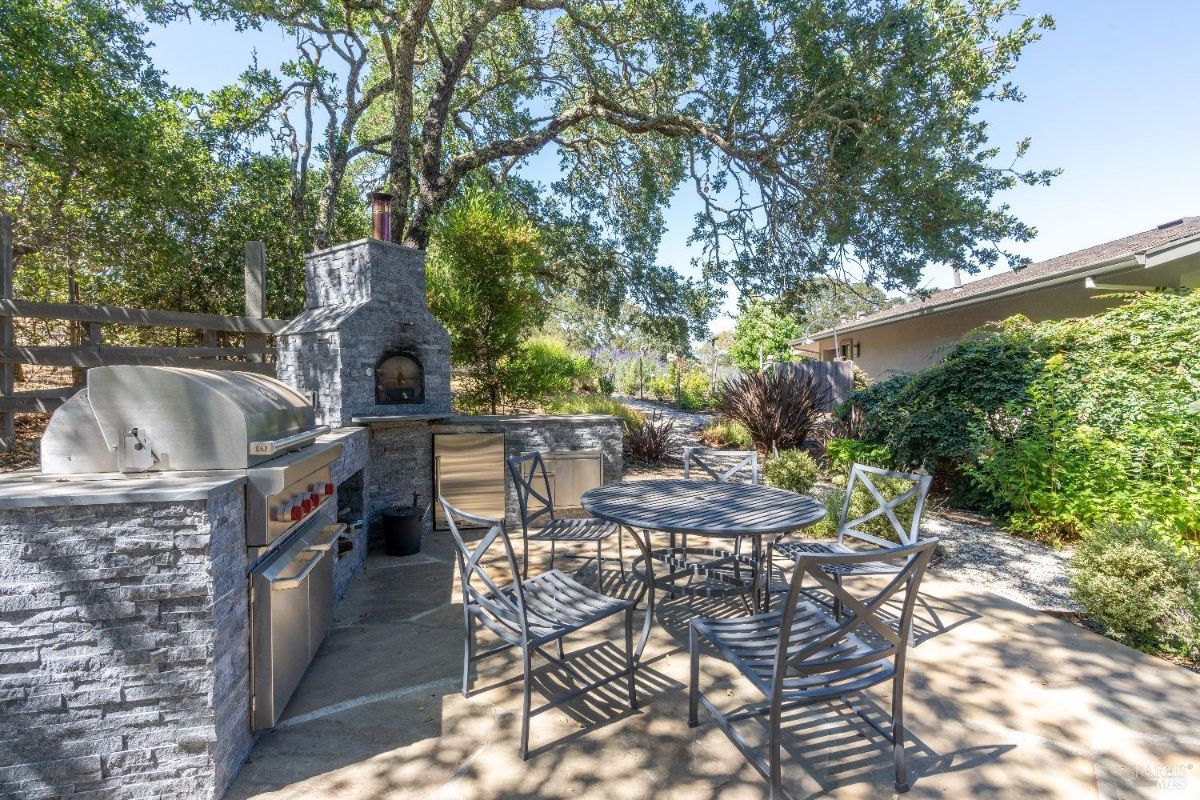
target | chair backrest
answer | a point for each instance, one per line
(726, 466)
(503, 600)
(535, 496)
(886, 500)
(822, 658)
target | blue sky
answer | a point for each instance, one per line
(1112, 98)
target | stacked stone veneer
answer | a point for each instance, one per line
(363, 300)
(352, 464)
(401, 454)
(124, 665)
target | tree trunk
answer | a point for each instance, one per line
(327, 206)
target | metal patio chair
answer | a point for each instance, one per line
(723, 466)
(529, 614)
(727, 466)
(802, 654)
(909, 533)
(535, 497)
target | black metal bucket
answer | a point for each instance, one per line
(402, 530)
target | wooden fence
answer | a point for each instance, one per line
(88, 348)
(836, 376)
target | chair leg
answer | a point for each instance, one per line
(774, 755)
(898, 734)
(770, 577)
(629, 665)
(621, 551)
(837, 600)
(599, 563)
(468, 656)
(561, 653)
(693, 678)
(671, 591)
(528, 667)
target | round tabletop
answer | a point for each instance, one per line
(707, 508)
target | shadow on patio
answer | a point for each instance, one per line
(1002, 702)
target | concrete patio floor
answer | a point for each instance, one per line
(1003, 702)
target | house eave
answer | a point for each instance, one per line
(1098, 268)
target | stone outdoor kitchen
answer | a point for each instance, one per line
(161, 591)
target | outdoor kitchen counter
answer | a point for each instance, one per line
(33, 489)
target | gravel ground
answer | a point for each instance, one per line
(972, 549)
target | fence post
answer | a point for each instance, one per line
(74, 329)
(255, 277)
(8, 431)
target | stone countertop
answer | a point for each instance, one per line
(396, 419)
(501, 421)
(482, 419)
(341, 434)
(33, 489)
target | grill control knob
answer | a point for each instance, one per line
(306, 504)
(329, 488)
(296, 513)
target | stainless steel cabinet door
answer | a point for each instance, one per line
(573, 472)
(469, 470)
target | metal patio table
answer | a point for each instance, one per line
(704, 508)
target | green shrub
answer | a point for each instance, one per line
(793, 470)
(543, 368)
(593, 404)
(695, 391)
(1060, 426)
(661, 388)
(1137, 585)
(842, 454)
(726, 433)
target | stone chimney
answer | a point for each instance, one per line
(366, 344)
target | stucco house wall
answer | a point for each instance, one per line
(913, 344)
(917, 334)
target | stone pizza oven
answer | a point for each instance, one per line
(366, 343)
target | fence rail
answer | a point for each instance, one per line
(88, 350)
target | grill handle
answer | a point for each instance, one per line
(295, 581)
(272, 447)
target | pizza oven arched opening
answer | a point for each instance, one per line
(399, 379)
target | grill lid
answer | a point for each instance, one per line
(140, 418)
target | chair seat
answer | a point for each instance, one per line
(795, 550)
(556, 604)
(750, 644)
(587, 529)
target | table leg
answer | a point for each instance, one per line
(647, 592)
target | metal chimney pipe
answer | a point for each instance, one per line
(957, 279)
(381, 216)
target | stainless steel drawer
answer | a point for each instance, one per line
(291, 608)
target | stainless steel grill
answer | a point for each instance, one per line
(143, 419)
(138, 419)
